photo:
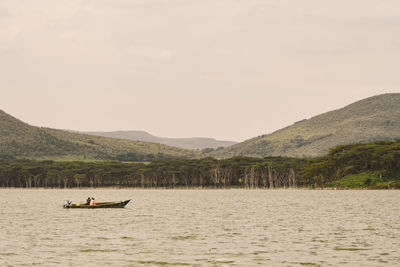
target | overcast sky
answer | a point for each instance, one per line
(229, 69)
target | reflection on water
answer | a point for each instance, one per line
(201, 228)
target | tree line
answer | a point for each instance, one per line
(381, 156)
(242, 172)
(235, 172)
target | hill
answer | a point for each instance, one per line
(374, 118)
(188, 143)
(20, 140)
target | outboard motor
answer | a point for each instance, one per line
(67, 204)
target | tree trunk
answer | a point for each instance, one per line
(271, 182)
(65, 179)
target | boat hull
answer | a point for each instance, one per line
(100, 205)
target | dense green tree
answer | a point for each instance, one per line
(382, 157)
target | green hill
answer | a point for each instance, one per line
(189, 143)
(374, 118)
(20, 140)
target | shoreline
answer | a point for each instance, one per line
(202, 188)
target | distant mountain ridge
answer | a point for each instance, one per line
(370, 119)
(21, 140)
(188, 143)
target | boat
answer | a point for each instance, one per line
(99, 205)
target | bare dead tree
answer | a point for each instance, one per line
(142, 180)
(173, 180)
(263, 175)
(270, 178)
(59, 180)
(253, 178)
(215, 175)
(45, 181)
(246, 179)
(65, 180)
(292, 179)
(36, 180)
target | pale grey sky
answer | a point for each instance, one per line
(229, 69)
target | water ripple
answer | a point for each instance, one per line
(201, 228)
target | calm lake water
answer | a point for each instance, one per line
(201, 228)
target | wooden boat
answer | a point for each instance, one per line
(99, 205)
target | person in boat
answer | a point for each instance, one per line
(88, 201)
(67, 203)
(92, 202)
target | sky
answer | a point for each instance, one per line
(227, 69)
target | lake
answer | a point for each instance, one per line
(201, 228)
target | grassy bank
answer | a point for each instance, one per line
(366, 180)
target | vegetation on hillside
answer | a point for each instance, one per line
(188, 143)
(371, 119)
(376, 164)
(20, 140)
(371, 164)
(368, 165)
(368, 120)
